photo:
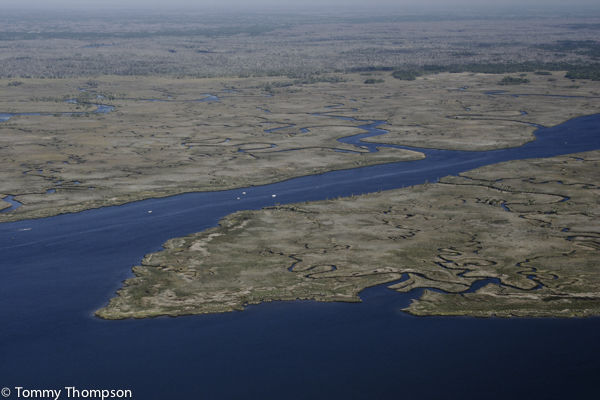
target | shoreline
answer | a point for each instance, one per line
(147, 149)
(76, 208)
(44, 213)
(186, 276)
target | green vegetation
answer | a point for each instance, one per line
(372, 81)
(508, 80)
(205, 45)
(15, 83)
(590, 48)
(269, 86)
(407, 75)
(591, 72)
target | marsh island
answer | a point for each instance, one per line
(139, 113)
(532, 225)
(168, 136)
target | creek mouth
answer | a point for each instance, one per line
(183, 209)
(447, 162)
(14, 204)
(59, 270)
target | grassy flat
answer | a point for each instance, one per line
(146, 149)
(534, 225)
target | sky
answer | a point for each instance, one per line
(283, 4)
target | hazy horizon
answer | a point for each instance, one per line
(275, 5)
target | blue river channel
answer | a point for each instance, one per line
(55, 272)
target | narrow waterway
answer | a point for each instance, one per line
(55, 272)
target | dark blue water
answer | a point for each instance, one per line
(55, 272)
(13, 204)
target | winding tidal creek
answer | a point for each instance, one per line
(57, 271)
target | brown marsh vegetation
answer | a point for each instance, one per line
(426, 75)
(148, 148)
(445, 236)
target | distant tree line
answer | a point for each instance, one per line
(223, 31)
(591, 72)
(589, 48)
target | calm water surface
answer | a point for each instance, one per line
(55, 272)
